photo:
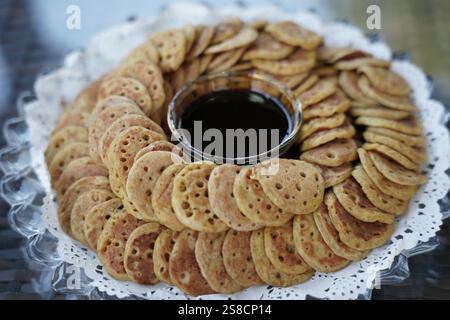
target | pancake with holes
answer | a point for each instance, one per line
(142, 178)
(312, 247)
(266, 270)
(255, 204)
(208, 252)
(332, 154)
(280, 250)
(331, 236)
(96, 219)
(293, 185)
(138, 256)
(190, 198)
(353, 199)
(355, 233)
(237, 258)
(63, 138)
(85, 202)
(222, 199)
(162, 198)
(183, 266)
(112, 242)
(161, 254)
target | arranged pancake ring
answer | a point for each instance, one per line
(131, 195)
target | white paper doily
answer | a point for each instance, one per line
(108, 48)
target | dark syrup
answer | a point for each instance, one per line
(238, 109)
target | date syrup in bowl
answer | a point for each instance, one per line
(235, 118)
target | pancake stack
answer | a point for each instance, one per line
(127, 193)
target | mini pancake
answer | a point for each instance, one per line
(161, 145)
(331, 236)
(346, 131)
(386, 81)
(72, 117)
(395, 102)
(244, 38)
(121, 154)
(237, 258)
(222, 200)
(96, 218)
(317, 93)
(325, 71)
(335, 175)
(130, 88)
(299, 61)
(150, 76)
(332, 154)
(183, 267)
(333, 55)
(294, 186)
(192, 70)
(161, 255)
(292, 81)
(291, 33)
(63, 157)
(87, 98)
(76, 170)
(227, 29)
(190, 33)
(266, 270)
(190, 198)
(416, 155)
(112, 102)
(225, 60)
(348, 81)
(378, 198)
(254, 203)
(242, 66)
(103, 121)
(178, 79)
(413, 141)
(355, 233)
(268, 48)
(396, 190)
(146, 52)
(311, 246)
(138, 255)
(354, 64)
(142, 178)
(66, 203)
(118, 126)
(395, 172)
(202, 42)
(334, 104)
(393, 154)
(63, 138)
(379, 112)
(85, 202)
(314, 125)
(171, 45)
(353, 199)
(409, 126)
(205, 60)
(112, 241)
(162, 198)
(208, 253)
(309, 82)
(280, 250)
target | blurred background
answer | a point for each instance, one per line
(34, 39)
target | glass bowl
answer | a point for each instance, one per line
(252, 81)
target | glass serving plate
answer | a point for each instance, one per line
(26, 193)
